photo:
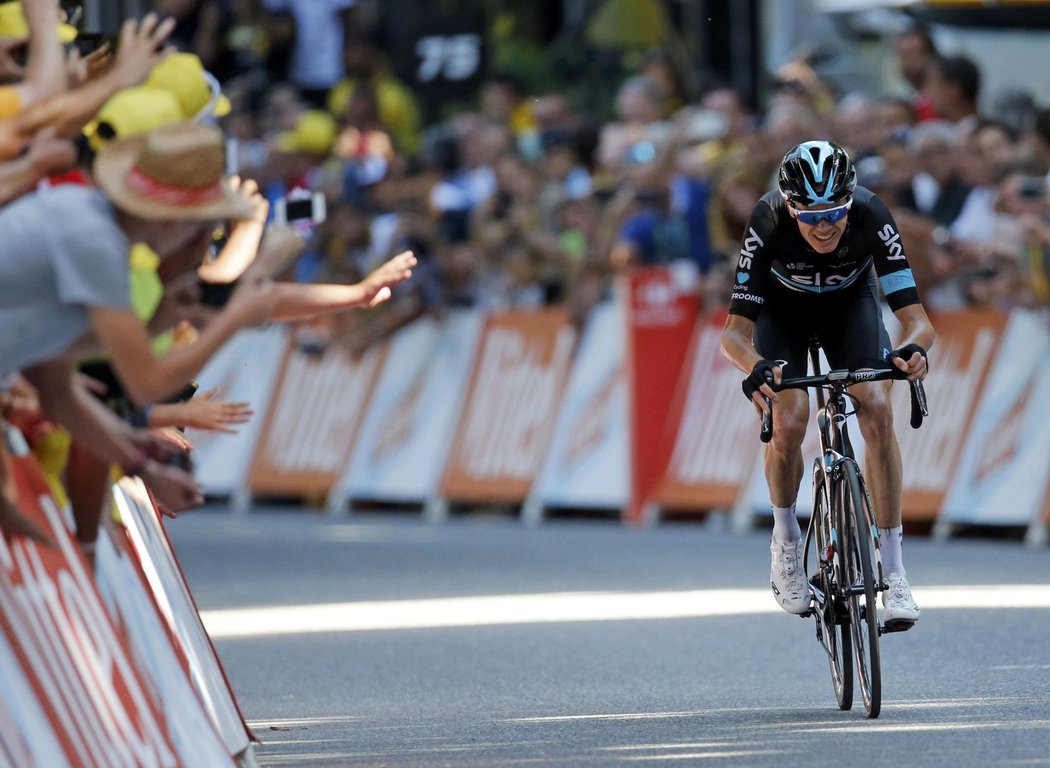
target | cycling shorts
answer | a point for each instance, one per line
(847, 323)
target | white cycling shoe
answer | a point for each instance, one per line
(898, 606)
(789, 583)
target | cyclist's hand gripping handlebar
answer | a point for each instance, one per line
(761, 373)
(918, 394)
(918, 399)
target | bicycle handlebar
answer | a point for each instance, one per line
(841, 376)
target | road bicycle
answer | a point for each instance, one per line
(842, 539)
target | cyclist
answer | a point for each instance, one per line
(814, 255)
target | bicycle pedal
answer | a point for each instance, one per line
(896, 625)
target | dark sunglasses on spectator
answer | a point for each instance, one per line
(830, 215)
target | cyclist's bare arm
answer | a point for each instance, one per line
(916, 328)
(737, 347)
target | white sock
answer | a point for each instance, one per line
(890, 546)
(785, 524)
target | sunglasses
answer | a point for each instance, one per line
(830, 215)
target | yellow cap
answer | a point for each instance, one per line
(131, 112)
(13, 23)
(314, 132)
(196, 89)
(145, 286)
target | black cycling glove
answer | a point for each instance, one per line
(905, 353)
(761, 373)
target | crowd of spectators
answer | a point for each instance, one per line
(119, 219)
(520, 199)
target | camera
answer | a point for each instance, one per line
(295, 210)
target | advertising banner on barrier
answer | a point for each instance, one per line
(412, 416)
(27, 736)
(84, 666)
(1004, 470)
(716, 443)
(313, 420)
(587, 464)
(959, 366)
(662, 307)
(131, 607)
(245, 371)
(146, 537)
(515, 391)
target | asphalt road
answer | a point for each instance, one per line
(381, 640)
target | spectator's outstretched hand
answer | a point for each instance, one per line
(141, 47)
(210, 413)
(174, 489)
(249, 190)
(81, 69)
(49, 154)
(377, 285)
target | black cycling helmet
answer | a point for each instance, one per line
(817, 173)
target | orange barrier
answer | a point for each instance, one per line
(312, 422)
(516, 385)
(959, 365)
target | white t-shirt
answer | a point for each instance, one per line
(317, 58)
(61, 252)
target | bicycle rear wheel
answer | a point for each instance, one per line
(859, 544)
(830, 612)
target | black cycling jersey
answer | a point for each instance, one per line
(776, 260)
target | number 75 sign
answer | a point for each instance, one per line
(448, 57)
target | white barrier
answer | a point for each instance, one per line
(587, 464)
(1003, 475)
(173, 601)
(245, 370)
(409, 424)
(131, 606)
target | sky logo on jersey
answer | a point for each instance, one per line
(817, 283)
(742, 277)
(891, 238)
(751, 244)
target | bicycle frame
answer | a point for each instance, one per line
(835, 450)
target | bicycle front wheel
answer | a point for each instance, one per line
(860, 547)
(831, 616)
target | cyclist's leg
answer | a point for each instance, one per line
(780, 336)
(782, 333)
(860, 340)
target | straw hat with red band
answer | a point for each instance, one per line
(176, 172)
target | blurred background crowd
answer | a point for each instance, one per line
(529, 151)
(523, 173)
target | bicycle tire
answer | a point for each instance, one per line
(861, 574)
(830, 615)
